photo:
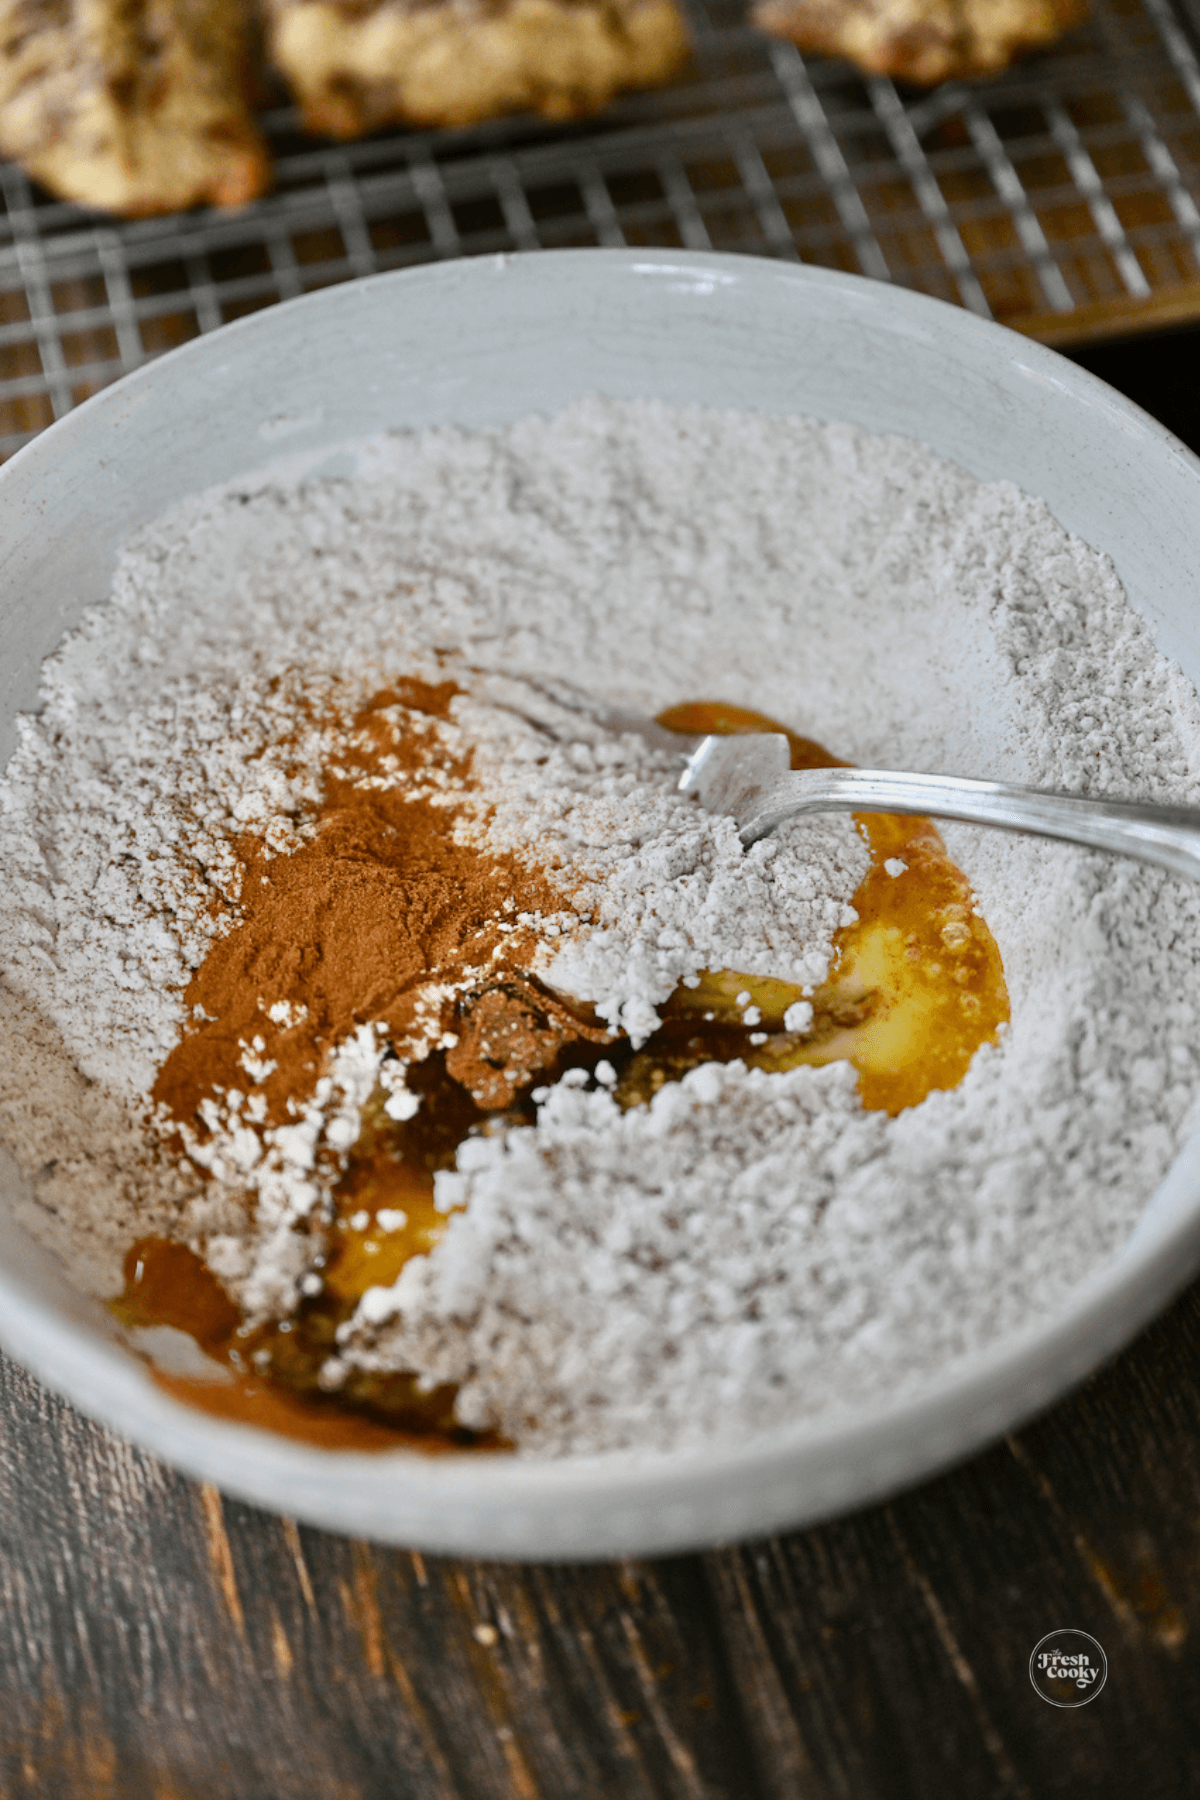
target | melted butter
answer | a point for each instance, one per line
(915, 988)
(373, 1254)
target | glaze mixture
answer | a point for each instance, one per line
(403, 1053)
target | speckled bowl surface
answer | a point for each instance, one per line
(486, 341)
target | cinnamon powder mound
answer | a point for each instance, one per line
(382, 918)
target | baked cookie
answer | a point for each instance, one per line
(131, 106)
(924, 41)
(355, 65)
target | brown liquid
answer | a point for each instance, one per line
(167, 1284)
(915, 989)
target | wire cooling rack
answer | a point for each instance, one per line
(1060, 199)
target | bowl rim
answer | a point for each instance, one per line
(1013, 1377)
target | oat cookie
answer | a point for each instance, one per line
(356, 66)
(924, 41)
(131, 106)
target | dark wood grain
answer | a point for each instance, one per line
(161, 1641)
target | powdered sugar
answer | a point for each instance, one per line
(749, 1246)
(121, 805)
(666, 888)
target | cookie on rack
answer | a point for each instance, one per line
(356, 65)
(923, 41)
(131, 106)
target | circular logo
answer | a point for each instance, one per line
(1068, 1668)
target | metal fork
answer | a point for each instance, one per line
(749, 777)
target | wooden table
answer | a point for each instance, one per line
(163, 1643)
(159, 1642)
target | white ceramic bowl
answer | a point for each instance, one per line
(481, 342)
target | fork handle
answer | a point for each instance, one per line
(1167, 835)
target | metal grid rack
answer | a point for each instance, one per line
(1060, 199)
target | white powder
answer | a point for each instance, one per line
(750, 1246)
(667, 888)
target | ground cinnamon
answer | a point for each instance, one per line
(381, 917)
